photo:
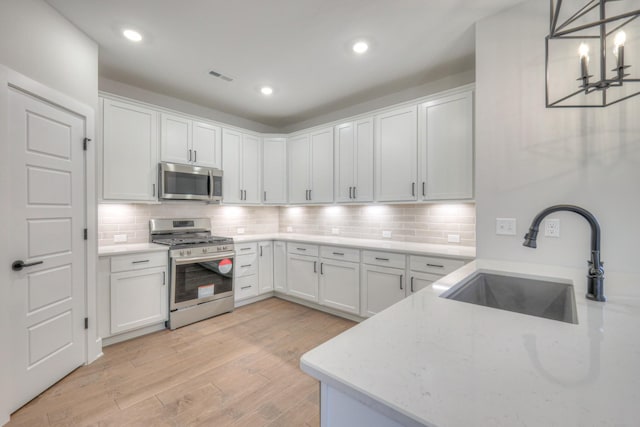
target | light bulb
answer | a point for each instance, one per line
(360, 47)
(132, 35)
(583, 50)
(620, 38)
(266, 90)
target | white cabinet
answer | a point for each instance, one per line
(265, 266)
(381, 288)
(396, 148)
(280, 267)
(187, 141)
(354, 161)
(133, 292)
(274, 171)
(241, 168)
(446, 148)
(129, 148)
(340, 285)
(419, 281)
(310, 159)
(302, 271)
(246, 272)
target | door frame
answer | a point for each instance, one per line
(93, 343)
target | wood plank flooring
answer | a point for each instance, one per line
(238, 369)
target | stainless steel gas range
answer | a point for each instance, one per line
(200, 268)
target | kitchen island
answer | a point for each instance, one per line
(437, 362)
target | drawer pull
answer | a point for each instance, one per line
(140, 262)
(412, 284)
(246, 265)
(339, 253)
(382, 259)
(245, 249)
(315, 266)
(301, 249)
(245, 287)
(401, 276)
(435, 265)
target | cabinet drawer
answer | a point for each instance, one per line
(246, 287)
(302, 249)
(246, 265)
(343, 254)
(386, 259)
(138, 261)
(434, 265)
(246, 248)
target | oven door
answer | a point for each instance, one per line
(201, 279)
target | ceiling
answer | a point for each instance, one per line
(302, 48)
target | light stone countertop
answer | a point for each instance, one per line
(130, 248)
(448, 251)
(432, 361)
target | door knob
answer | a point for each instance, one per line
(19, 265)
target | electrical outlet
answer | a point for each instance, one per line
(289, 229)
(119, 238)
(335, 231)
(386, 233)
(240, 230)
(552, 227)
(453, 238)
(506, 226)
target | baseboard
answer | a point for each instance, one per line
(107, 341)
(319, 307)
(247, 301)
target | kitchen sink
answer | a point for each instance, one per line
(551, 300)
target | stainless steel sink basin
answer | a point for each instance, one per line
(551, 300)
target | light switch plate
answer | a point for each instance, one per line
(386, 233)
(453, 238)
(506, 226)
(240, 230)
(552, 227)
(289, 229)
(335, 231)
(119, 238)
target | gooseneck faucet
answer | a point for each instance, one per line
(595, 285)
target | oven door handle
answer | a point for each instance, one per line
(181, 261)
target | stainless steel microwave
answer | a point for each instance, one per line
(188, 182)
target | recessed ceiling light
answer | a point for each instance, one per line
(360, 47)
(132, 35)
(266, 90)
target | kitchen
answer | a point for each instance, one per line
(527, 157)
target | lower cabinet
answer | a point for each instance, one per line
(302, 276)
(381, 288)
(246, 279)
(340, 285)
(280, 267)
(419, 281)
(265, 267)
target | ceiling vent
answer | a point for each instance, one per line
(221, 76)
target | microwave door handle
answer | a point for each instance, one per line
(210, 185)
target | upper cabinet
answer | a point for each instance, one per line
(446, 148)
(354, 161)
(310, 158)
(274, 171)
(241, 168)
(129, 151)
(396, 151)
(187, 141)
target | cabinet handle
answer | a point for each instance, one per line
(382, 259)
(195, 156)
(413, 189)
(315, 266)
(301, 249)
(265, 196)
(189, 155)
(423, 191)
(338, 253)
(245, 287)
(351, 197)
(164, 278)
(19, 265)
(154, 191)
(321, 272)
(245, 194)
(140, 262)
(435, 265)
(260, 250)
(401, 276)
(306, 194)
(354, 193)
(310, 197)
(245, 249)
(240, 194)
(246, 265)
(412, 284)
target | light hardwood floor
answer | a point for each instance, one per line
(238, 369)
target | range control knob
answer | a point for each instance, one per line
(188, 251)
(181, 253)
(205, 250)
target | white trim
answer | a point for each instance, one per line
(114, 339)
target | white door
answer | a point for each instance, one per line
(207, 145)
(251, 169)
(381, 288)
(340, 285)
(274, 170)
(299, 172)
(322, 166)
(48, 219)
(265, 266)
(302, 277)
(175, 140)
(231, 167)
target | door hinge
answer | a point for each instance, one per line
(86, 234)
(84, 143)
(86, 323)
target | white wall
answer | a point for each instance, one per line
(39, 43)
(529, 157)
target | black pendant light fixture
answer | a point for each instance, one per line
(585, 62)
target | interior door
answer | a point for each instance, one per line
(48, 219)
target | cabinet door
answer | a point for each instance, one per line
(381, 288)
(298, 156)
(280, 267)
(231, 166)
(207, 145)
(419, 281)
(345, 155)
(175, 139)
(274, 170)
(138, 298)
(129, 152)
(265, 266)
(446, 148)
(251, 169)
(363, 166)
(397, 151)
(321, 166)
(302, 277)
(340, 285)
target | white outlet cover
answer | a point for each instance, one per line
(289, 229)
(240, 230)
(453, 238)
(552, 227)
(335, 231)
(506, 226)
(386, 233)
(120, 238)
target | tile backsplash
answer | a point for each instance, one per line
(426, 223)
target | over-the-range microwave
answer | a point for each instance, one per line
(188, 182)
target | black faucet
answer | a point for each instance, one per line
(595, 286)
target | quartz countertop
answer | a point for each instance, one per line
(432, 361)
(448, 251)
(130, 248)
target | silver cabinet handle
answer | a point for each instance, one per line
(382, 259)
(413, 189)
(164, 278)
(260, 250)
(154, 190)
(401, 276)
(301, 249)
(354, 193)
(140, 262)
(310, 198)
(423, 191)
(245, 287)
(19, 265)
(338, 253)
(245, 249)
(321, 272)
(240, 194)
(265, 196)
(195, 156)
(246, 265)
(351, 197)
(315, 266)
(412, 284)
(189, 155)
(435, 265)
(245, 194)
